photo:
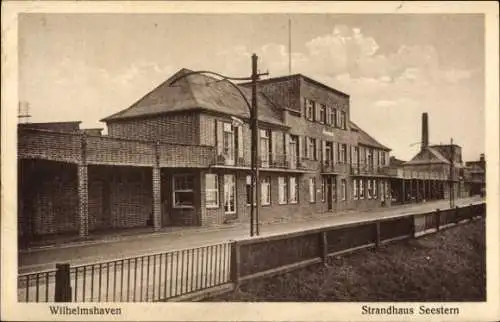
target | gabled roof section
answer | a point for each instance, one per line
(198, 91)
(427, 156)
(366, 139)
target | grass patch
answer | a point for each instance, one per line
(448, 266)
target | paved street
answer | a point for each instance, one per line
(128, 246)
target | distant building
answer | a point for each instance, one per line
(475, 172)
(433, 173)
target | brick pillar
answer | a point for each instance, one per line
(156, 178)
(83, 200)
(156, 198)
(83, 191)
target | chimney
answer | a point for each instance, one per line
(481, 157)
(425, 131)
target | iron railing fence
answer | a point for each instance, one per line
(156, 277)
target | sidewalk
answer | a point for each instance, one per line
(127, 245)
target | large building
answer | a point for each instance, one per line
(181, 156)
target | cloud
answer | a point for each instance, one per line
(384, 103)
(400, 102)
(456, 75)
(345, 51)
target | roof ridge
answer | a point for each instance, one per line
(167, 81)
(438, 154)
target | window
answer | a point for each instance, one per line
(229, 194)
(183, 191)
(382, 157)
(355, 189)
(328, 152)
(228, 142)
(282, 190)
(310, 110)
(294, 190)
(369, 158)
(361, 189)
(333, 117)
(355, 156)
(211, 190)
(265, 191)
(311, 148)
(369, 190)
(375, 188)
(249, 191)
(323, 189)
(342, 153)
(344, 189)
(343, 117)
(265, 147)
(322, 113)
(293, 150)
(312, 189)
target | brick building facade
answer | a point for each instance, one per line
(181, 156)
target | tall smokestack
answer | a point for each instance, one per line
(425, 131)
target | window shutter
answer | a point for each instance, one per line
(286, 144)
(306, 143)
(317, 112)
(300, 142)
(327, 115)
(219, 128)
(323, 150)
(318, 149)
(334, 153)
(240, 141)
(305, 108)
(338, 152)
(274, 139)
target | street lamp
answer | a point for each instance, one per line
(254, 125)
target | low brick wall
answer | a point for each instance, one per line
(266, 256)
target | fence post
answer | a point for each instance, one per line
(235, 264)
(63, 284)
(377, 234)
(438, 215)
(413, 226)
(323, 246)
(457, 218)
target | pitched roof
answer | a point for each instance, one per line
(198, 91)
(366, 139)
(428, 155)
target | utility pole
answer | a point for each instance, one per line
(254, 210)
(452, 167)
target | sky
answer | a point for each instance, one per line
(84, 67)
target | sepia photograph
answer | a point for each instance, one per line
(260, 156)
